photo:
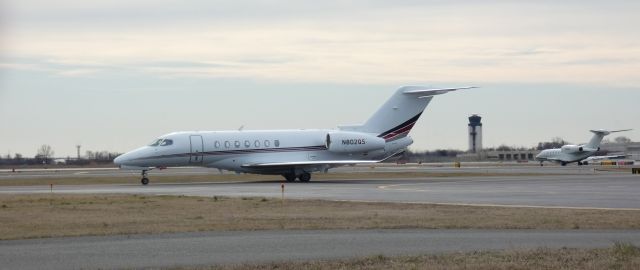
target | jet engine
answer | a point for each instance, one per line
(577, 149)
(353, 142)
(572, 148)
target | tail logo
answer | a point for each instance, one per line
(400, 130)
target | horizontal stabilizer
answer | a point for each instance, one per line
(427, 92)
(607, 132)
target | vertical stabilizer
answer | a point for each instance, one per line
(399, 114)
(598, 135)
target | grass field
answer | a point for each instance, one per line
(618, 256)
(135, 179)
(52, 215)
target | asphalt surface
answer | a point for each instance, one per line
(193, 249)
(531, 168)
(601, 191)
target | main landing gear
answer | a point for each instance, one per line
(303, 177)
(144, 180)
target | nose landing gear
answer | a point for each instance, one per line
(144, 180)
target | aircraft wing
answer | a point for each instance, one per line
(306, 163)
(286, 164)
(591, 158)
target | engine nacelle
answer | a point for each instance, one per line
(353, 142)
(572, 148)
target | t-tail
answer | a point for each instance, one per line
(598, 135)
(400, 113)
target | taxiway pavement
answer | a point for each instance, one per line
(600, 191)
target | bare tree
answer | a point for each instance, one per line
(622, 139)
(45, 152)
(555, 142)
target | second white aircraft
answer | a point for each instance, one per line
(294, 154)
(576, 153)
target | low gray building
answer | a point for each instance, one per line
(514, 155)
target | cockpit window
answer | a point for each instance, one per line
(161, 142)
(166, 142)
(156, 142)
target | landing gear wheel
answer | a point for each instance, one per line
(289, 177)
(579, 163)
(563, 164)
(305, 177)
(144, 180)
(541, 164)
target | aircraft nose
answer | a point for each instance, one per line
(119, 160)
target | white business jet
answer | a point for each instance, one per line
(290, 153)
(575, 153)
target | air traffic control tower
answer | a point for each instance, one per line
(475, 134)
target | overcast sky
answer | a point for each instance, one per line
(113, 74)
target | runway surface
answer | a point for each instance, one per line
(422, 168)
(210, 248)
(615, 191)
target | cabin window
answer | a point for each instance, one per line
(236, 144)
(267, 143)
(247, 144)
(227, 144)
(166, 142)
(216, 144)
(276, 143)
(256, 143)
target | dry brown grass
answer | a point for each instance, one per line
(51, 215)
(134, 179)
(619, 256)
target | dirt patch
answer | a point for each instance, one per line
(618, 256)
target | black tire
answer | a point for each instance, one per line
(144, 181)
(564, 164)
(289, 177)
(305, 177)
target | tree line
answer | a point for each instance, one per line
(46, 155)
